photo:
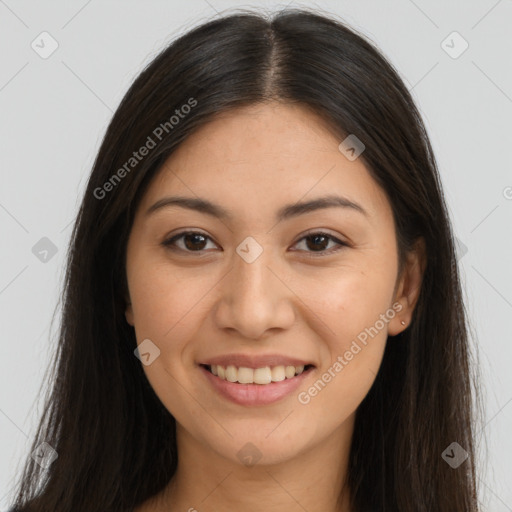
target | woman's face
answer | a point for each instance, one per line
(311, 286)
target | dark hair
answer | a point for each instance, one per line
(115, 440)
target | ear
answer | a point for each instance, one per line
(128, 313)
(408, 287)
(125, 292)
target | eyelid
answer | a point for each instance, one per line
(322, 232)
(169, 240)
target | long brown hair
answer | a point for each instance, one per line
(115, 440)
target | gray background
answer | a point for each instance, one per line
(54, 111)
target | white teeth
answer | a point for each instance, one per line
(245, 375)
(289, 371)
(264, 375)
(278, 373)
(231, 373)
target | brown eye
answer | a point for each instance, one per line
(196, 242)
(318, 242)
(193, 241)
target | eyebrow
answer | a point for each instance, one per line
(284, 213)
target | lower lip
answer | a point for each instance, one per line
(255, 394)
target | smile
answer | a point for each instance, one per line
(255, 387)
(262, 376)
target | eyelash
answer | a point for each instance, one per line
(169, 243)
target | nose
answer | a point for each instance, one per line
(254, 298)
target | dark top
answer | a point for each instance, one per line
(14, 510)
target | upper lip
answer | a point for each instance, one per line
(248, 361)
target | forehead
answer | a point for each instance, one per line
(262, 156)
(271, 128)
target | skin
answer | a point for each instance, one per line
(291, 300)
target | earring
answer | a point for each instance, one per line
(402, 322)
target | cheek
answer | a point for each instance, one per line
(356, 309)
(160, 299)
(164, 312)
(353, 351)
(352, 299)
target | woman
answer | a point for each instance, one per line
(262, 303)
